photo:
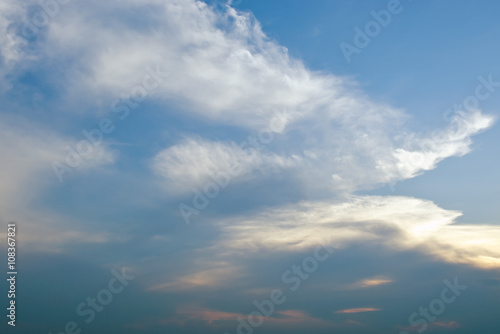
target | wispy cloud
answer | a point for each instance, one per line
(371, 282)
(26, 172)
(358, 310)
(195, 162)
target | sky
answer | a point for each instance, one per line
(183, 166)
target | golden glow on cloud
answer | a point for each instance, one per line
(214, 277)
(366, 283)
(396, 222)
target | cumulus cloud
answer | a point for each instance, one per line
(221, 66)
(224, 71)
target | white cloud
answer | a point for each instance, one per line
(344, 161)
(392, 223)
(194, 163)
(423, 153)
(221, 66)
(396, 222)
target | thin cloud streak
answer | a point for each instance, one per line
(358, 310)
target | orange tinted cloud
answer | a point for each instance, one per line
(450, 324)
(282, 318)
(358, 310)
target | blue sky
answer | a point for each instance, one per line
(205, 167)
